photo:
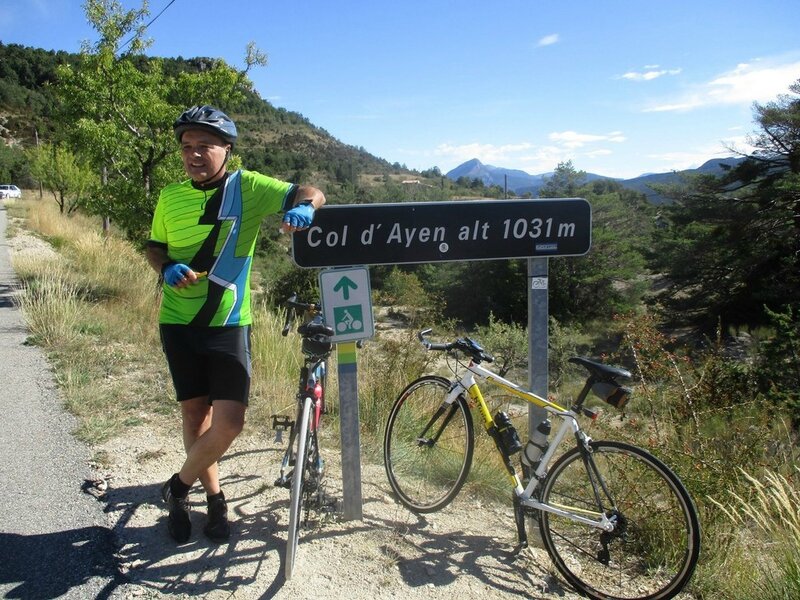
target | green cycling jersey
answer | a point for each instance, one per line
(215, 231)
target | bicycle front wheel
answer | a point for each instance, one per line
(428, 445)
(654, 548)
(299, 476)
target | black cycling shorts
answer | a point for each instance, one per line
(208, 361)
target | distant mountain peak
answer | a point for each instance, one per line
(520, 182)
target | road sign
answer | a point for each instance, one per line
(347, 303)
(421, 232)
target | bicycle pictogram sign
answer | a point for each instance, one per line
(347, 303)
(348, 319)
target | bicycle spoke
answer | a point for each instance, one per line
(427, 446)
(653, 549)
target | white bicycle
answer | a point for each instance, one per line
(616, 521)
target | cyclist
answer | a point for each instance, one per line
(201, 242)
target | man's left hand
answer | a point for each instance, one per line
(299, 217)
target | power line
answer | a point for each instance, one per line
(153, 20)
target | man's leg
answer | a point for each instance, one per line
(227, 422)
(212, 438)
(197, 417)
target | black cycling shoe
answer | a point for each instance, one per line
(179, 523)
(218, 530)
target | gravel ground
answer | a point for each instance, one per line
(389, 554)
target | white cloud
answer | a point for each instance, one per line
(651, 72)
(599, 152)
(548, 40)
(761, 81)
(573, 139)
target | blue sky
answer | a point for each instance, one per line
(619, 87)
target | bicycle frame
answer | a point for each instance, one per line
(569, 423)
(310, 386)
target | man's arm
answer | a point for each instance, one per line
(307, 199)
(175, 274)
(156, 255)
(306, 193)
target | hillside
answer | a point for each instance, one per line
(274, 140)
(280, 142)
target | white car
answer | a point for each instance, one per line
(10, 191)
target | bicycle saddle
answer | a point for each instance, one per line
(599, 370)
(314, 328)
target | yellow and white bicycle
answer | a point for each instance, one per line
(616, 521)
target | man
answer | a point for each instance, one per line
(202, 241)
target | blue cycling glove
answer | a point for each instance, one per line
(300, 216)
(174, 272)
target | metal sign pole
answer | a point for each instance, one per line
(350, 435)
(538, 316)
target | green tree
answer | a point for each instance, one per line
(120, 107)
(12, 165)
(732, 245)
(564, 182)
(58, 170)
(612, 276)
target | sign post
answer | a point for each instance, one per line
(538, 322)
(347, 307)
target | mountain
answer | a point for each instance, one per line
(645, 183)
(521, 182)
(518, 181)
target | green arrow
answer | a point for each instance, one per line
(345, 284)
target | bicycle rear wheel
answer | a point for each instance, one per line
(428, 445)
(654, 549)
(299, 476)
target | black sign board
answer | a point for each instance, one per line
(420, 232)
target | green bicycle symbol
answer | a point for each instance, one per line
(348, 319)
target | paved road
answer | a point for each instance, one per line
(54, 539)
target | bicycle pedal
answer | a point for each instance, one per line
(284, 481)
(281, 422)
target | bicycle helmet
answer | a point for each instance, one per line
(208, 118)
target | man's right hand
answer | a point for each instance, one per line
(178, 274)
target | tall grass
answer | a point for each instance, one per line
(93, 307)
(767, 519)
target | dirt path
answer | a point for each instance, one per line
(389, 554)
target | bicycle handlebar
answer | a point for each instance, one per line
(466, 345)
(293, 307)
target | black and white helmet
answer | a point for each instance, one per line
(208, 118)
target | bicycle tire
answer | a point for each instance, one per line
(298, 488)
(425, 477)
(654, 553)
